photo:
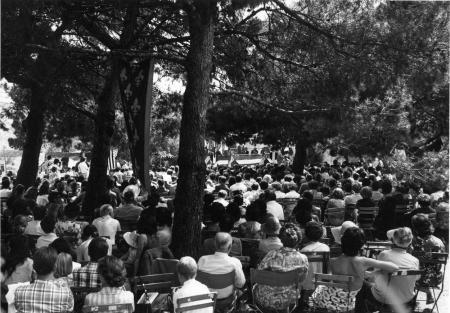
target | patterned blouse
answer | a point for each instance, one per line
(281, 260)
(432, 275)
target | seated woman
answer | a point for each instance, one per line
(63, 269)
(351, 264)
(69, 226)
(18, 265)
(303, 214)
(425, 241)
(251, 228)
(113, 275)
(335, 209)
(285, 259)
(271, 229)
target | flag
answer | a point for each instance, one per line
(112, 159)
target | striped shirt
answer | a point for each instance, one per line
(43, 296)
(87, 276)
(110, 295)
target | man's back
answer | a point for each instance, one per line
(43, 296)
(403, 286)
(128, 212)
(275, 209)
(107, 226)
(221, 263)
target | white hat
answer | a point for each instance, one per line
(131, 239)
(337, 232)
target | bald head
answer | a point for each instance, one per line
(223, 242)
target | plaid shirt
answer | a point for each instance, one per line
(87, 276)
(43, 296)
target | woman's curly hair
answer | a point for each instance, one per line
(112, 270)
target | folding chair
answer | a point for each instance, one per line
(350, 212)
(196, 302)
(161, 283)
(79, 294)
(387, 308)
(338, 281)
(434, 259)
(219, 281)
(109, 308)
(373, 248)
(366, 220)
(276, 279)
(127, 226)
(164, 266)
(322, 257)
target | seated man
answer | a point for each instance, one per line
(128, 211)
(106, 225)
(187, 270)
(221, 263)
(226, 225)
(399, 290)
(45, 294)
(48, 227)
(87, 276)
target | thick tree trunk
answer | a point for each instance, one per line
(300, 156)
(34, 127)
(136, 84)
(191, 181)
(104, 129)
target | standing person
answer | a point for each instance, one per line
(44, 295)
(83, 168)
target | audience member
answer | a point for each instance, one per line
(271, 229)
(18, 264)
(45, 294)
(106, 225)
(48, 227)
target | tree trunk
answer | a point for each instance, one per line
(34, 127)
(191, 181)
(104, 129)
(300, 156)
(136, 84)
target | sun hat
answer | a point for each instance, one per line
(131, 239)
(272, 226)
(337, 232)
(401, 237)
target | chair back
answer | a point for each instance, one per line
(161, 283)
(366, 216)
(110, 308)
(127, 226)
(350, 212)
(322, 257)
(401, 273)
(79, 295)
(339, 281)
(275, 279)
(196, 302)
(373, 248)
(431, 257)
(164, 266)
(335, 216)
(216, 281)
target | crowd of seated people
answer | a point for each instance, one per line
(49, 247)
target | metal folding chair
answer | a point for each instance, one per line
(110, 308)
(434, 259)
(219, 281)
(275, 279)
(338, 281)
(196, 302)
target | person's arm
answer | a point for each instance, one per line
(239, 280)
(382, 265)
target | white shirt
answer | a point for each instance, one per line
(222, 201)
(34, 228)
(45, 240)
(238, 186)
(133, 188)
(191, 288)
(42, 200)
(292, 194)
(222, 263)
(83, 253)
(107, 226)
(83, 169)
(275, 209)
(279, 194)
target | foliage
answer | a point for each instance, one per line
(431, 171)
